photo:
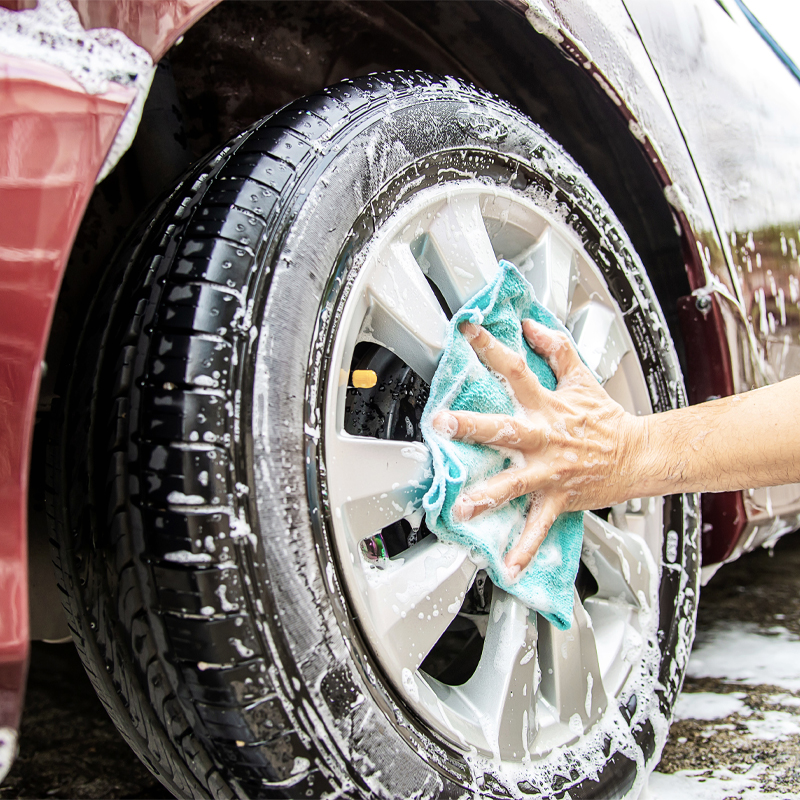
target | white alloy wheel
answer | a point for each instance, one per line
(534, 688)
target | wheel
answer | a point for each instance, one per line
(251, 583)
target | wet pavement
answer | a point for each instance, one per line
(68, 745)
(738, 736)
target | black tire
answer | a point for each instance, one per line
(193, 555)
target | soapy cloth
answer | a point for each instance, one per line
(463, 383)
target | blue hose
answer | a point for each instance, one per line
(765, 35)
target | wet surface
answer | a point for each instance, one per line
(740, 732)
(739, 736)
(68, 745)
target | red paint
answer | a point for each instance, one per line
(153, 26)
(53, 140)
(724, 518)
(695, 272)
(710, 374)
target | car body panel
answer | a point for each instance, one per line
(741, 120)
(612, 52)
(607, 41)
(56, 133)
(153, 26)
(54, 137)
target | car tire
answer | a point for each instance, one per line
(192, 478)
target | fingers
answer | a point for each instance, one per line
(497, 491)
(542, 515)
(554, 346)
(496, 429)
(505, 486)
(536, 477)
(505, 362)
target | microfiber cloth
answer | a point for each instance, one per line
(463, 383)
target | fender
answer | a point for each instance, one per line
(62, 114)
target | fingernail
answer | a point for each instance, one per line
(469, 330)
(445, 424)
(513, 571)
(463, 508)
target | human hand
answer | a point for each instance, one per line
(576, 441)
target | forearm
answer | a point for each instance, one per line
(580, 450)
(746, 441)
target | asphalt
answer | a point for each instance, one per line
(68, 745)
(70, 749)
(760, 594)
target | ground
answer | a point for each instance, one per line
(737, 727)
(68, 745)
(737, 736)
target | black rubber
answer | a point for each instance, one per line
(181, 557)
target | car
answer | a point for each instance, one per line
(232, 235)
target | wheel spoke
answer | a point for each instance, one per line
(405, 316)
(415, 598)
(496, 706)
(462, 260)
(551, 266)
(572, 684)
(374, 482)
(620, 562)
(599, 338)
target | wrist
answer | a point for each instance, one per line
(634, 456)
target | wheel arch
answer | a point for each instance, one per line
(209, 81)
(204, 91)
(509, 48)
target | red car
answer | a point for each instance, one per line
(231, 237)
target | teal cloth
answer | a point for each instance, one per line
(463, 383)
